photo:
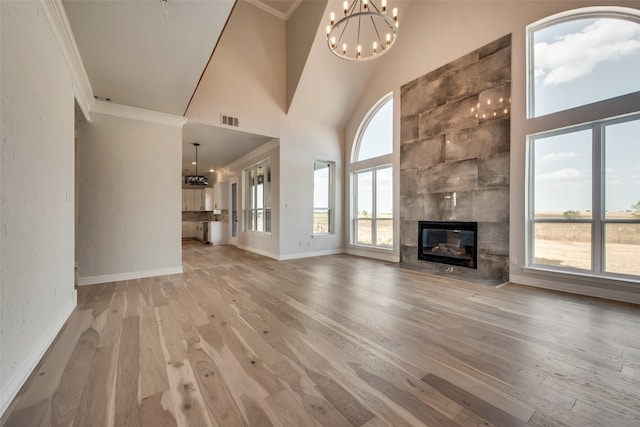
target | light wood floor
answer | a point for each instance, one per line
(333, 341)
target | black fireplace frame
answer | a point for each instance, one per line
(453, 226)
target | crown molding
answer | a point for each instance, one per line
(57, 17)
(134, 113)
(268, 9)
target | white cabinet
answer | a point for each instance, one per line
(188, 230)
(221, 195)
(218, 233)
(199, 231)
(189, 197)
(208, 199)
(192, 230)
(193, 200)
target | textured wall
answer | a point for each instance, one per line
(37, 192)
(454, 158)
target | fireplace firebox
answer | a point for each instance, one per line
(448, 242)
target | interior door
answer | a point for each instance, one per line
(233, 195)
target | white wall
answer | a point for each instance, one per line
(434, 33)
(246, 77)
(37, 193)
(302, 143)
(129, 199)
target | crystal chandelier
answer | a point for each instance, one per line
(196, 179)
(364, 32)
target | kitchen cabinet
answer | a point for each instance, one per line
(208, 199)
(188, 230)
(218, 233)
(221, 195)
(193, 200)
(192, 230)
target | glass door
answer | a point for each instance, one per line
(234, 212)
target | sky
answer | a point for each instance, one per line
(582, 62)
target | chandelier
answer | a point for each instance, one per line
(364, 32)
(196, 179)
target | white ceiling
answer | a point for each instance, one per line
(218, 146)
(146, 53)
(151, 54)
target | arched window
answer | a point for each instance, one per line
(376, 133)
(584, 177)
(583, 57)
(372, 178)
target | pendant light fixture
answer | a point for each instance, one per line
(196, 179)
(364, 32)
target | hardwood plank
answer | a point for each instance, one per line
(189, 408)
(217, 399)
(289, 410)
(47, 375)
(473, 403)
(98, 396)
(172, 336)
(127, 406)
(154, 413)
(313, 402)
(66, 398)
(153, 371)
(416, 407)
(132, 298)
(110, 332)
(349, 406)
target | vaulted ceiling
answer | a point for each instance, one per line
(157, 55)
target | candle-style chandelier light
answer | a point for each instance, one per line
(364, 32)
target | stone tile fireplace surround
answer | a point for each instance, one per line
(454, 158)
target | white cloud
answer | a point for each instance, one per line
(560, 156)
(561, 175)
(575, 55)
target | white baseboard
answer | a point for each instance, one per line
(310, 254)
(564, 286)
(107, 278)
(259, 252)
(381, 255)
(11, 388)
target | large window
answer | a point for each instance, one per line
(323, 197)
(372, 179)
(584, 178)
(257, 205)
(373, 222)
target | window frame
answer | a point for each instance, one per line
(380, 162)
(374, 208)
(250, 209)
(598, 221)
(355, 150)
(607, 111)
(331, 190)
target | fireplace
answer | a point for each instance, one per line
(448, 242)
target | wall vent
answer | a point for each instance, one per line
(229, 120)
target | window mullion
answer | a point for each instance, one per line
(597, 202)
(374, 207)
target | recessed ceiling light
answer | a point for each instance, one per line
(210, 170)
(193, 163)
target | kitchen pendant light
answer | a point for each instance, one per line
(196, 179)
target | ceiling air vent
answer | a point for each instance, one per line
(229, 121)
